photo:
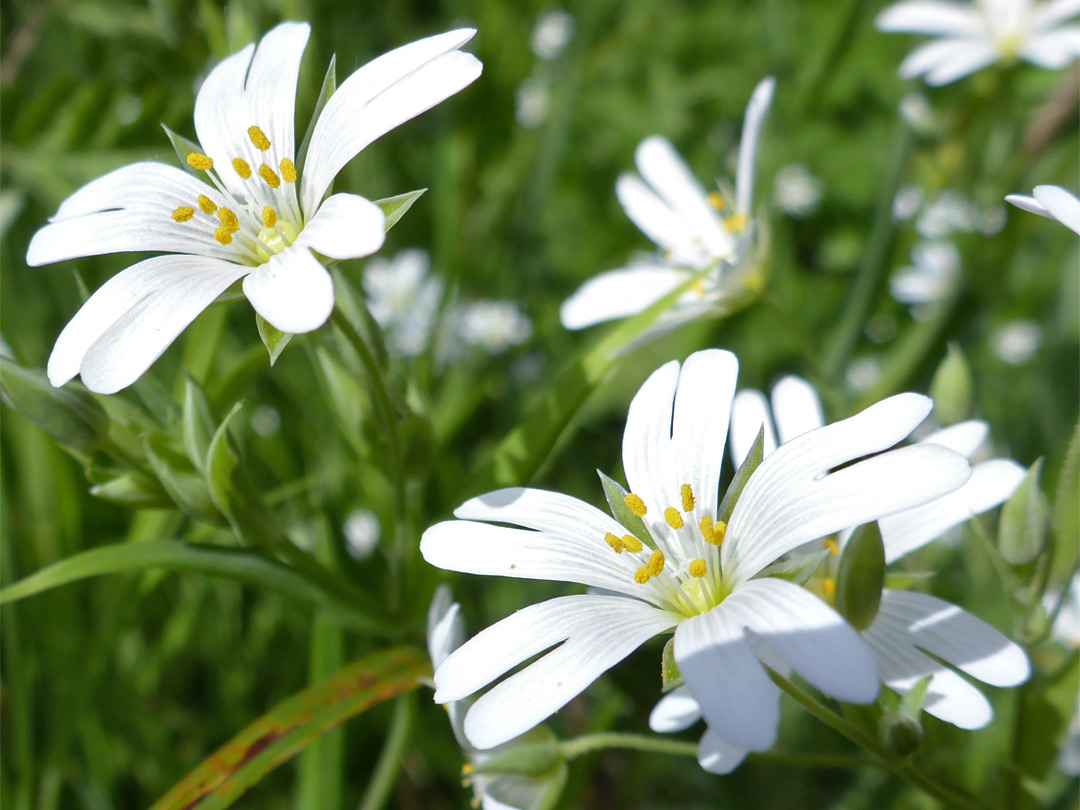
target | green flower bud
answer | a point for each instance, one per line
(861, 577)
(951, 388)
(900, 734)
(1025, 521)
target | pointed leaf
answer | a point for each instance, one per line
(1024, 521)
(616, 498)
(70, 414)
(179, 478)
(184, 147)
(133, 490)
(742, 475)
(1066, 520)
(198, 423)
(670, 677)
(394, 208)
(274, 340)
(797, 569)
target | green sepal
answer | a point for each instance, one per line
(742, 475)
(329, 85)
(616, 498)
(133, 490)
(532, 754)
(911, 702)
(861, 577)
(69, 414)
(394, 208)
(951, 388)
(179, 478)
(1025, 521)
(670, 677)
(184, 147)
(797, 569)
(273, 339)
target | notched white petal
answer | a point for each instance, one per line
(293, 292)
(346, 227)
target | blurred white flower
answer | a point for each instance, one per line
(949, 211)
(552, 34)
(976, 34)
(932, 275)
(362, 533)
(265, 421)
(251, 213)
(533, 101)
(796, 190)
(1016, 342)
(992, 220)
(907, 202)
(1052, 202)
(916, 110)
(1067, 631)
(403, 299)
(695, 232)
(493, 326)
(863, 373)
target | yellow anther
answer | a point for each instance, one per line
(258, 137)
(269, 217)
(687, 498)
(288, 171)
(223, 236)
(655, 564)
(697, 568)
(228, 220)
(735, 223)
(636, 505)
(699, 289)
(241, 167)
(468, 768)
(641, 576)
(615, 543)
(716, 200)
(713, 533)
(183, 213)
(207, 205)
(631, 543)
(203, 163)
(828, 587)
(832, 547)
(673, 518)
(268, 175)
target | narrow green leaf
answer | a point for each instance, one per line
(198, 423)
(69, 414)
(329, 85)
(742, 475)
(394, 208)
(1025, 520)
(179, 478)
(912, 701)
(293, 725)
(321, 766)
(861, 577)
(670, 677)
(616, 498)
(184, 147)
(274, 340)
(797, 569)
(132, 490)
(952, 388)
(1066, 519)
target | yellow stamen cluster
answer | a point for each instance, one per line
(735, 223)
(673, 518)
(269, 176)
(207, 205)
(651, 569)
(698, 568)
(635, 505)
(615, 543)
(202, 163)
(183, 213)
(241, 167)
(687, 498)
(259, 139)
(717, 201)
(626, 543)
(832, 547)
(269, 217)
(713, 533)
(288, 171)
(828, 587)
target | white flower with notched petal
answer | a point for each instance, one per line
(976, 34)
(676, 564)
(695, 232)
(1052, 202)
(258, 215)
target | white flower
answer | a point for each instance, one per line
(533, 101)
(1067, 631)
(493, 790)
(362, 532)
(404, 299)
(863, 373)
(947, 212)
(909, 622)
(976, 34)
(677, 565)
(552, 34)
(493, 326)
(1052, 202)
(1016, 342)
(796, 191)
(694, 231)
(907, 202)
(255, 214)
(931, 277)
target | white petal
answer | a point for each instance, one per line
(544, 511)
(656, 219)
(130, 209)
(929, 56)
(445, 627)
(255, 87)
(599, 631)
(1054, 50)
(749, 414)
(1029, 204)
(931, 17)
(127, 324)
(292, 291)
(736, 697)
(975, 56)
(663, 169)
(748, 143)
(955, 636)
(1061, 205)
(1049, 15)
(345, 227)
(618, 294)
(809, 635)
(990, 485)
(964, 437)
(790, 500)
(676, 711)
(381, 95)
(796, 408)
(717, 755)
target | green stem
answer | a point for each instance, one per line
(946, 794)
(389, 763)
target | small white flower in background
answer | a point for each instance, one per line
(493, 326)
(694, 231)
(362, 533)
(931, 277)
(252, 212)
(976, 34)
(863, 373)
(552, 34)
(947, 212)
(796, 191)
(493, 790)
(403, 298)
(1052, 202)
(916, 110)
(533, 101)
(266, 421)
(907, 202)
(679, 565)
(1067, 631)
(1016, 342)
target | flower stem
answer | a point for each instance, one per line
(947, 794)
(389, 763)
